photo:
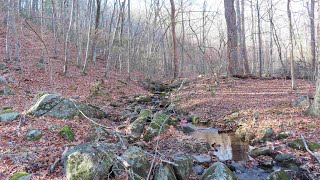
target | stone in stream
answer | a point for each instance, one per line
(158, 124)
(165, 172)
(53, 105)
(202, 159)
(279, 175)
(218, 171)
(135, 160)
(261, 151)
(89, 161)
(33, 134)
(284, 157)
(198, 169)
(136, 128)
(6, 117)
(184, 166)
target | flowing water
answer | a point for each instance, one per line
(226, 146)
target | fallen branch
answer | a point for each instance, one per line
(307, 148)
(90, 118)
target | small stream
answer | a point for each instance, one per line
(227, 146)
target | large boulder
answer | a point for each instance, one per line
(135, 161)
(53, 105)
(89, 161)
(136, 128)
(218, 171)
(165, 172)
(184, 166)
(158, 124)
(261, 151)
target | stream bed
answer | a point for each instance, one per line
(229, 147)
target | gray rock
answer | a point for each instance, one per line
(3, 81)
(138, 161)
(33, 134)
(268, 133)
(53, 105)
(3, 66)
(284, 157)
(6, 91)
(279, 175)
(218, 171)
(260, 151)
(184, 168)
(202, 158)
(165, 172)
(89, 161)
(198, 169)
(8, 117)
(302, 101)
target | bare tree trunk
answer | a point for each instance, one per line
(253, 38)
(230, 16)
(88, 39)
(94, 43)
(65, 67)
(271, 38)
(312, 38)
(15, 34)
(315, 108)
(79, 35)
(183, 39)
(243, 42)
(259, 40)
(8, 47)
(53, 23)
(129, 38)
(174, 40)
(293, 81)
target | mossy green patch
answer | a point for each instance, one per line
(145, 113)
(195, 120)
(282, 135)
(279, 175)
(18, 175)
(67, 133)
(7, 109)
(298, 144)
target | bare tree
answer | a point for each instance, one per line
(312, 37)
(65, 67)
(293, 81)
(232, 43)
(174, 40)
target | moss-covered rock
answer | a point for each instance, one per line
(165, 172)
(282, 135)
(67, 133)
(284, 157)
(184, 166)
(53, 105)
(144, 99)
(260, 151)
(298, 144)
(279, 175)
(158, 124)
(136, 128)
(218, 171)
(20, 176)
(195, 119)
(138, 161)
(33, 135)
(7, 109)
(89, 161)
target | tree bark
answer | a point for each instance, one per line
(230, 16)
(312, 38)
(293, 81)
(174, 40)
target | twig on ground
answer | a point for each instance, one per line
(307, 148)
